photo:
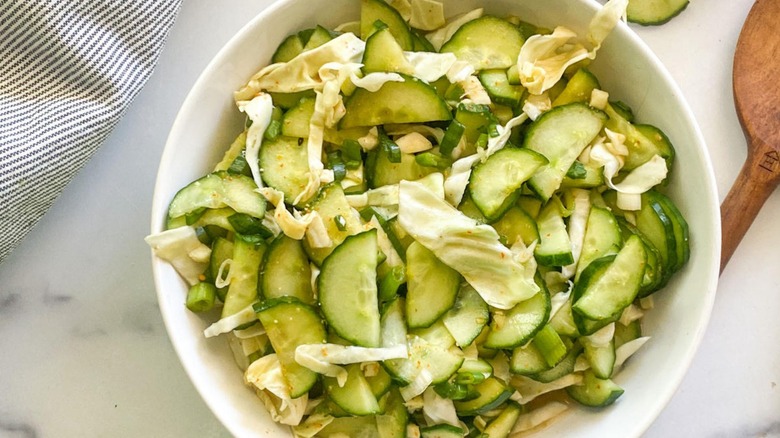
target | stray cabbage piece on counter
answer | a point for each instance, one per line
(431, 225)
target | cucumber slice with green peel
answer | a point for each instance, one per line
(432, 349)
(295, 122)
(372, 11)
(410, 101)
(221, 250)
(600, 357)
(291, 47)
(617, 287)
(467, 317)
(501, 426)
(284, 164)
(330, 203)
(242, 292)
(392, 423)
(494, 182)
(519, 324)
(218, 190)
(662, 143)
(679, 227)
(499, 89)
(596, 268)
(431, 285)
(554, 248)
(443, 430)
(385, 172)
(625, 333)
(475, 42)
(654, 12)
(353, 427)
(527, 360)
(420, 43)
(380, 383)
(602, 237)
(356, 396)
(492, 393)
(640, 148)
(286, 271)
(290, 323)
(595, 392)
(586, 176)
(475, 118)
(578, 89)
(318, 37)
(564, 367)
(516, 225)
(561, 134)
(348, 291)
(289, 100)
(384, 54)
(655, 275)
(563, 321)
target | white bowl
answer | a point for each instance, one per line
(208, 121)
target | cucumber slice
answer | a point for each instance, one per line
(640, 148)
(617, 287)
(602, 237)
(563, 321)
(679, 227)
(520, 323)
(286, 271)
(564, 367)
(660, 140)
(331, 203)
(441, 431)
(284, 164)
(492, 393)
(353, 427)
(432, 349)
(431, 285)
(348, 292)
(295, 122)
(601, 358)
(290, 323)
(655, 275)
(516, 225)
(411, 101)
(467, 317)
(554, 247)
(476, 43)
(385, 172)
(384, 54)
(318, 37)
(392, 424)
(355, 397)
(502, 425)
(625, 333)
(372, 11)
(499, 89)
(595, 392)
(219, 190)
(380, 383)
(590, 275)
(242, 291)
(654, 12)
(291, 47)
(221, 250)
(493, 184)
(527, 360)
(587, 176)
(578, 89)
(561, 134)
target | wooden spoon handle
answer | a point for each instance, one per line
(756, 181)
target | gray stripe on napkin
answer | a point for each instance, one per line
(68, 71)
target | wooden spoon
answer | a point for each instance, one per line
(756, 83)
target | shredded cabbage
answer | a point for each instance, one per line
(182, 249)
(460, 242)
(266, 375)
(321, 358)
(577, 223)
(529, 388)
(427, 14)
(413, 143)
(538, 416)
(259, 111)
(438, 410)
(438, 37)
(430, 66)
(628, 349)
(229, 323)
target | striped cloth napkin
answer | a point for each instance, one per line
(68, 71)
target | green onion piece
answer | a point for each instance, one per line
(492, 130)
(550, 344)
(623, 109)
(247, 226)
(389, 146)
(389, 284)
(336, 164)
(273, 131)
(351, 153)
(468, 378)
(429, 159)
(482, 141)
(451, 138)
(454, 391)
(201, 297)
(340, 222)
(577, 171)
(240, 166)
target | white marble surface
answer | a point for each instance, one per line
(84, 350)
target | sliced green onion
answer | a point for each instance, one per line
(389, 146)
(429, 159)
(247, 225)
(550, 344)
(201, 297)
(452, 137)
(340, 222)
(391, 282)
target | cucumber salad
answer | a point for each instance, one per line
(430, 226)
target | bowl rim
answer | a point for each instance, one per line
(160, 201)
